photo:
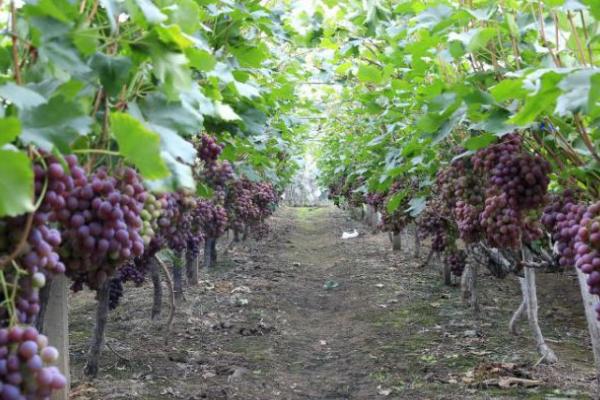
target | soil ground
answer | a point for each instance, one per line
(307, 315)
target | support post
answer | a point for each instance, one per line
(589, 301)
(56, 327)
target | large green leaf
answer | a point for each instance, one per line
(370, 74)
(16, 183)
(10, 128)
(139, 145)
(57, 123)
(21, 96)
(113, 71)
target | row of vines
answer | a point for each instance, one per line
(476, 125)
(133, 135)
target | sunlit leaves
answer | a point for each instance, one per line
(138, 145)
(370, 74)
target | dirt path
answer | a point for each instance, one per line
(307, 315)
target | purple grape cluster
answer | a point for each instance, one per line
(102, 225)
(587, 249)
(115, 292)
(561, 218)
(210, 218)
(457, 260)
(375, 200)
(239, 204)
(218, 173)
(40, 258)
(511, 170)
(26, 370)
(208, 149)
(431, 223)
(458, 182)
(500, 222)
(467, 221)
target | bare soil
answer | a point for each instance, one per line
(307, 315)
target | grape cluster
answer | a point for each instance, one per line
(375, 200)
(458, 182)
(115, 292)
(511, 170)
(501, 223)
(177, 220)
(210, 218)
(587, 249)
(102, 225)
(239, 204)
(434, 225)
(467, 220)
(561, 218)
(457, 260)
(208, 149)
(39, 257)
(218, 173)
(26, 370)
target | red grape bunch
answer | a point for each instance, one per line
(587, 249)
(39, 257)
(457, 260)
(431, 223)
(561, 218)
(102, 225)
(210, 218)
(26, 365)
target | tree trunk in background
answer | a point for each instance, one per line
(396, 241)
(178, 283)
(208, 257)
(191, 267)
(213, 252)
(91, 367)
(157, 298)
(469, 285)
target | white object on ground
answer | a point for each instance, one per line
(350, 235)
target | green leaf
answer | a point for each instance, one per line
(576, 88)
(251, 56)
(479, 141)
(150, 11)
(57, 123)
(16, 183)
(481, 38)
(172, 34)
(225, 112)
(113, 71)
(204, 191)
(202, 60)
(542, 101)
(370, 74)
(21, 96)
(10, 128)
(508, 89)
(395, 200)
(139, 145)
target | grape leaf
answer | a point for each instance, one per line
(10, 128)
(21, 96)
(57, 123)
(139, 145)
(16, 183)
